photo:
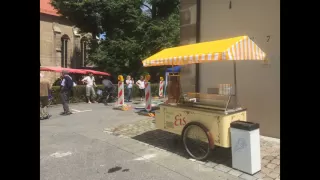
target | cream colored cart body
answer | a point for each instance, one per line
(173, 118)
(203, 120)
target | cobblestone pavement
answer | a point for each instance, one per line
(219, 159)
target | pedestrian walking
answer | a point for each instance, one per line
(90, 83)
(129, 83)
(44, 97)
(65, 91)
(141, 86)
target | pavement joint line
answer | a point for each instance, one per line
(77, 111)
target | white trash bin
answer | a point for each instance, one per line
(245, 145)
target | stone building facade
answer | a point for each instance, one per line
(188, 33)
(258, 82)
(60, 43)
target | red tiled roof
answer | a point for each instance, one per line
(46, 8)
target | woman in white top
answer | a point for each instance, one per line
(129, 83)
(141, 86)
(90, 93)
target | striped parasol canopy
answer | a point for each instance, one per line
(96, 72)
(236, 48)
(60, 69)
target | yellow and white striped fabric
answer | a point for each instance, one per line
(237, 48)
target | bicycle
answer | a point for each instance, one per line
(106, 96)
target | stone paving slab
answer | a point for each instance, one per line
(180, 165)
(220, 159)
(93, 159)
(201, 172)
(133, 148)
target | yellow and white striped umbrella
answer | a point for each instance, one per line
(237, 48)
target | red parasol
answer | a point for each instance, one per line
(96, 72)
(60, 69)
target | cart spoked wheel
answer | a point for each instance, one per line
(196, 141)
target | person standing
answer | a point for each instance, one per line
(141, 86)
(90, 93)
(66, 88)
(44, 93)
(129, 83)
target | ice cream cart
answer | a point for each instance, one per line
(203, 119)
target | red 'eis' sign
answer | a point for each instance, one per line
(180, 120)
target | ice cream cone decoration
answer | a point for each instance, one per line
(147, 78)
(120, 78)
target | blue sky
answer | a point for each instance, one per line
(102, 36)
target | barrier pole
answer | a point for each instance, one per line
(147, 91)
(120, 90)
(161, 87)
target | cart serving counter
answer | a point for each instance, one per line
(203, 119)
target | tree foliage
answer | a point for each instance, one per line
(162, 8)
(84, 14)
(135, 29)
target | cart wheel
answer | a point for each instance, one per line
(196, 141)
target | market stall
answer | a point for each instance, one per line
(60, 69)
(175, 69)
(96, 72)
(203, 120)
(71, 70)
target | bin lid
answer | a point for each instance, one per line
(247, 126)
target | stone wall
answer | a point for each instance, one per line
(188, 19)
(258, 82)
(52, 28)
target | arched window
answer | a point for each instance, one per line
(64, 50)
(83, 50)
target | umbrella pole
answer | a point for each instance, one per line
(235, 82)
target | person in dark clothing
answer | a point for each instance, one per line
(66, 88)
(108, 86)
(109, 89)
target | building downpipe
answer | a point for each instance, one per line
(197, 88)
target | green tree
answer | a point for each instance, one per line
(132, 34)
(162, 8)
(85, 14)
(163, 30)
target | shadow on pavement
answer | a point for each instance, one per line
(173, 143)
